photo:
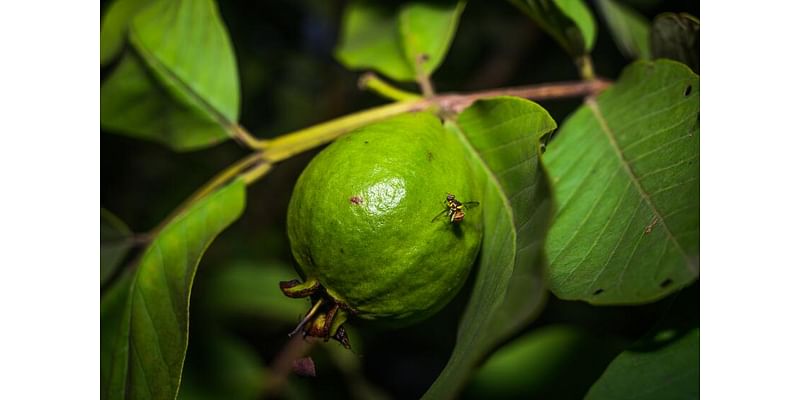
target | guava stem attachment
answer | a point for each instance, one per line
(308, 316)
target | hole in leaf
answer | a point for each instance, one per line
(598, 291)
(687, 91)
(666, 283)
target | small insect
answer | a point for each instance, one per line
(454, 209)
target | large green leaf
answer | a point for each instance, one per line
(670, 372)
(114, 27)
(133, 103)
(116, 239)
(569, 22)
(145, 316)
(554, 361)
(677, 37)
(630, 30)
(626, 172)
(184, 90)
(502, 135)
(186, 45)
(664, 364)
(393, 41)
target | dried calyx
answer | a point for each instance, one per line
(327, 315)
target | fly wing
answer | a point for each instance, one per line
(440, 214)
(470, 204)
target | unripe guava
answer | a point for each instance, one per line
(371, 230)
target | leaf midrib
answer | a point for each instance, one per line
(506, 203)
(151, 59)
(596, 112)
(491, 176)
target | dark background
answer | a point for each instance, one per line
(290, 80)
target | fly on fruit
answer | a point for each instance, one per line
(454, 209)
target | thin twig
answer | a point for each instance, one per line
(559, 90)
(293, 143)
(585, 67)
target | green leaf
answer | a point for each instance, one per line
(630, 30)
(187, 47)
(370, 39)
(502, 134)
(392, 41)
(116, 239)
(145, 316)
(252, 289)
(664, 364)
(677, 37)
(133, 103)
(114, 27)
(625, 169)
(554, 361)
(670, 372)
(569, 22)
(427, 30)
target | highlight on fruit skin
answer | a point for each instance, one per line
(359, 225)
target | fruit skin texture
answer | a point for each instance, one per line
(359, 220)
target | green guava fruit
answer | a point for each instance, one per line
(372, 230)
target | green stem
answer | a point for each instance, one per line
(423, 78)
(372, 82)
(293, 143)
(242, 136)
(215, 183)
(586, 67)
(296, 142)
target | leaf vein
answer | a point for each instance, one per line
(594, 106)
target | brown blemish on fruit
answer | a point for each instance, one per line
(355, 200)
(429, 155)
